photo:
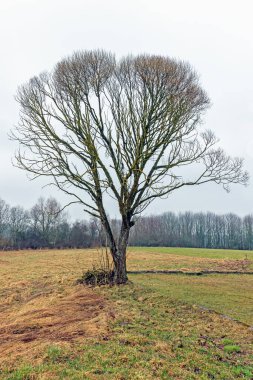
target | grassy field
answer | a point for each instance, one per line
(157, 327)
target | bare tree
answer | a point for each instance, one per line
(122, 128)
(46, 217)
(18, 224)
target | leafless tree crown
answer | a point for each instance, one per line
(122, 127)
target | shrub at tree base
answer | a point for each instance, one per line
(98, 277)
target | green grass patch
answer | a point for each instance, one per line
(230, 349)
(230, 295)
(197, 252)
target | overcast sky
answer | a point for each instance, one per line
(214, 36)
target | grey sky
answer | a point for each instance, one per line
(214, 36)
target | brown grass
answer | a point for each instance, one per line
(49, 318)
(44, 309)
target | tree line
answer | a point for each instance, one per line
(46, 225)
(188, 229)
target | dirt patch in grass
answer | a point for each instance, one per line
(228, 265)
(45, 319)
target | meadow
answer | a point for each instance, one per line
(159, 326)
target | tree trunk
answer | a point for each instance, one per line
(119, 256)
(120, 276)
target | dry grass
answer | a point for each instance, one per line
(41, 306)
(52, 319)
